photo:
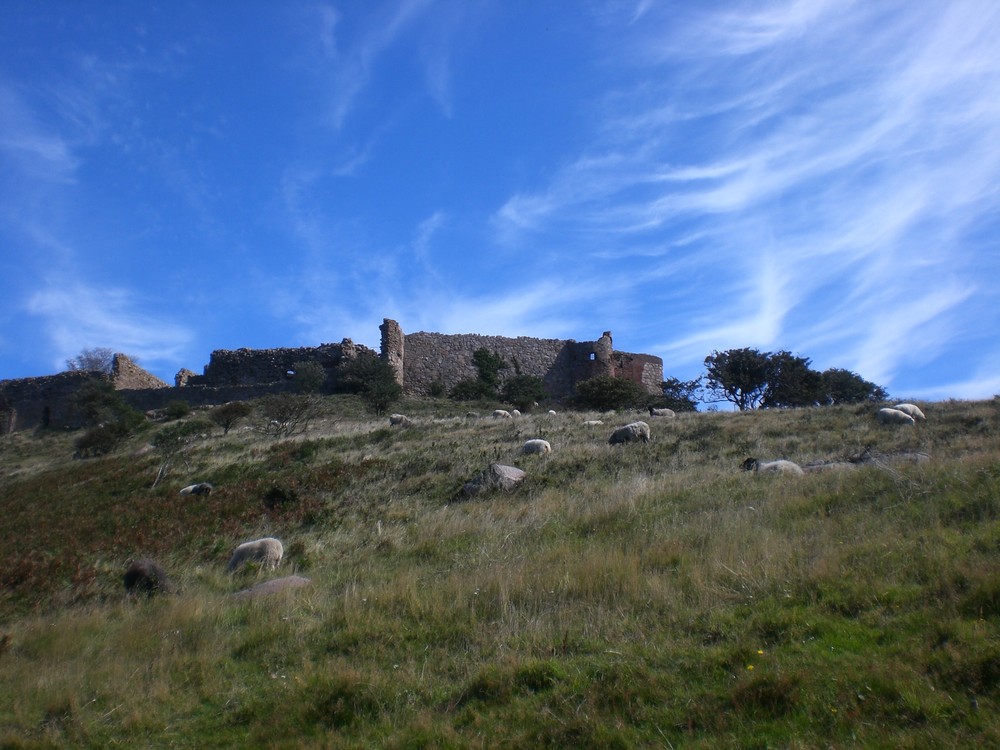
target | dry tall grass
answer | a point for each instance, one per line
(638, 595)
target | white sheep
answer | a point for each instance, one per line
(781, 466)
(912, 409)
(552, 412)
(894, 416)
(202, 488)
(653, 412)
(267, 551)
(592, 423)
(501, 414)
(515, 413)
(630, 433)
(399, 420)
(536, 446)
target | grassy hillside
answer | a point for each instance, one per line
(648, 595)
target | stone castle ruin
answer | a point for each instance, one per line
(422, 363)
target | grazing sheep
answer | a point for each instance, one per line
(536, 446)
(515, 413)
(592, 422)
(912, 409)
(894, 416)
(399, 420)
(661, 412)
(273, 587)
(202, 488)
(781, 466)
(502, 414)
(552, 412)
(268, 551)
(630, 433)
(145, 576)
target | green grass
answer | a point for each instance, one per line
(627, 596)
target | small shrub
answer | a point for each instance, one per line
(471, 390)
(605, 393)
(177, 409)
(280, 497)
(286, 413)
(308, 376)
(101, 440)
(523, 391)
(228, 415)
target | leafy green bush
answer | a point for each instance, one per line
(227, 415)
(471, 389)
(489, 364)
(102, 439)
(604, 393)
(177, 409)
(99, 403)
(373, 379)
(110, 418)
(309, 376)
(523, 391)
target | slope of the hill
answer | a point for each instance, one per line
(624, 596)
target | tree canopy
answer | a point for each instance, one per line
(751, 379)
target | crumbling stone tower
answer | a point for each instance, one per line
(392, 347)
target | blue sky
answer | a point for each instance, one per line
(818, 176)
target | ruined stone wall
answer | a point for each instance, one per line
(642, 368)
(127, 375)
(49, 401)
(393, 347)
(202, 396)
(435, 358)
(246, 367)
(420, 360)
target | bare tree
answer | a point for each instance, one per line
(99, 358)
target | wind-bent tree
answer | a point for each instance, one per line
(750, 379)
(845, 387)
(739, 376)
(791, 382)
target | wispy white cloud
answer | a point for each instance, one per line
(76, 317)
(841, 146)
(36, 151)
(350, 62)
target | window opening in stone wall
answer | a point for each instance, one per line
(593, 356)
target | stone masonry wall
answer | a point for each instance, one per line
(49, 401)
(245, 367)
(127, 375)
(420, 360)
(435, 358)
